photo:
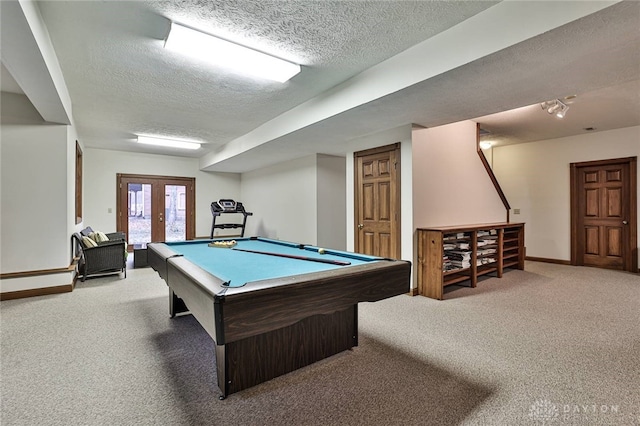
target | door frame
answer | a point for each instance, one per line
(395, 190)
(631, 251)
(190, 201)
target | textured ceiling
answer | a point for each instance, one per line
(122, 82)
(608, 108)
(599, 53)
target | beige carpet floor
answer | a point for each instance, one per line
(553, 345)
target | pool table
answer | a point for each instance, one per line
(273, 306)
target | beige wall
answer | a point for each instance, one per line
(535, 179)
(450, 184)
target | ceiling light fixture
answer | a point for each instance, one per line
(171, 143)
(227, 54)
(555, 107)
(486, 144)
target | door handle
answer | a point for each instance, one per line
(624, 222)
(360, 226)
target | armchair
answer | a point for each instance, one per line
(112, 236)
(105, 257)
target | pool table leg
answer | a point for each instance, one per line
(176, 305)
(222, 370)
(256, 359)
(355, 326)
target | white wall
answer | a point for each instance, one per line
(34, 198)
(72, 137)
(450, 184)
(283, 199)
(101, 167)
(37, 159)
(402, 135)
(535, 179)
(301, 200)
(331, 196)
(36, 195)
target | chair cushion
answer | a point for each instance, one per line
(86, 231)
(98, 236)
(88, 242)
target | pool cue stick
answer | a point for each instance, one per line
(293, 256)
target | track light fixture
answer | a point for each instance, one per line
(555, 107)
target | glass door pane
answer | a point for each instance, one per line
(174, 212)
(155, 208)
(139, 213)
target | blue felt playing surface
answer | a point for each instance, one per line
(237, 267)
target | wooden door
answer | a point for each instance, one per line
(377, 201)
(155, 208)
(604, 219)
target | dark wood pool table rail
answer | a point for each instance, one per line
(281, 302)
(228, 314)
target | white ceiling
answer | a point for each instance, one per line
(122, 82)
(608, 108)
(8, 83)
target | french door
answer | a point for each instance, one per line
(155, 208)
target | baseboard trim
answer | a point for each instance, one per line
(547, 260)
(10, 295)
(24, 274)
(41, 291)
(556, 261)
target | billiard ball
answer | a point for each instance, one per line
(321, 251)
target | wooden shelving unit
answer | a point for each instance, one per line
(458, 254)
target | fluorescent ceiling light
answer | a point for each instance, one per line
(172, 143)
(227, 54)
